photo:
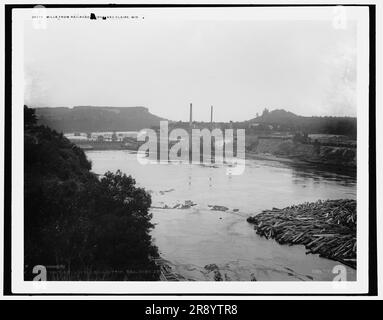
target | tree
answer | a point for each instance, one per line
(265, 112)
(29, 116)
(74, 219)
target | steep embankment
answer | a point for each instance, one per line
(97, 119)
(320, 154)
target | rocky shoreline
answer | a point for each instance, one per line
(327, 228)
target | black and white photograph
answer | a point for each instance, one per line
(191, 150)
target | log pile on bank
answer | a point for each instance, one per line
(327, 228)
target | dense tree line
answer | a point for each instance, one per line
(75, 219)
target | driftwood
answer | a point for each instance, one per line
(327, 228)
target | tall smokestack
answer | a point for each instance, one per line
(211, 115)
(191, 116)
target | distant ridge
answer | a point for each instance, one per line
(93, 119)
(286, 120)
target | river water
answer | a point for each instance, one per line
(193, 237)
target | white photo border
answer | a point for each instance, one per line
(360, 286)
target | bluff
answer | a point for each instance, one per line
(97, 119)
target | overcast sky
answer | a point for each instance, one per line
(240, 67)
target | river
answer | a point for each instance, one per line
(196, 236)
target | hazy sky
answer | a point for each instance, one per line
(240, 67)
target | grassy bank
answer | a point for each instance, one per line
(327, 228)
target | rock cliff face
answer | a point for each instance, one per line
(93, 119)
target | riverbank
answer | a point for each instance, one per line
(328, 157)
(327, 228)
(106, 145)
(296, 161)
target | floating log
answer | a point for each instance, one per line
(324, 227)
